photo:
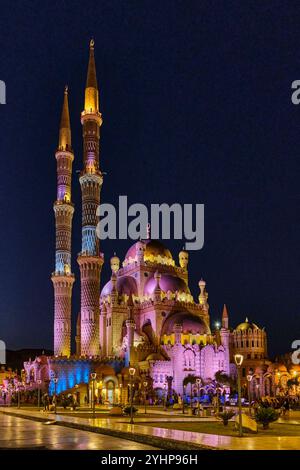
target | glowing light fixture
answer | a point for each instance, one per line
(238, 359)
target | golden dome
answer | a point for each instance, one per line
(246, 325)
(153, 249)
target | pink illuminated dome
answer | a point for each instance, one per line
(167, 283)
(190, 324)
(125, 285)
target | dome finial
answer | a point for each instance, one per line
(246, 320)
(91, 98)
(66, 89)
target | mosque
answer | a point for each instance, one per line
(145, 316)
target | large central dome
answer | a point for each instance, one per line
(190, 324)
(153, 249)
(167, 283)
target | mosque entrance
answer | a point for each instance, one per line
(110, 391)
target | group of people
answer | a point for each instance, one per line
(63, 400)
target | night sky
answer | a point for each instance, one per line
(196, 105)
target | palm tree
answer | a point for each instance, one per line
(224, 379)
(190, 379)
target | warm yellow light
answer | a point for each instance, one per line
(91, 100)
(238, 358)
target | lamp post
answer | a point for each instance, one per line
(145, 389)
(184, 394)
(249, 378)
(55, 380)
(93, 377)
(18, 390)
(257, 391)
(100, 388)
(198, 382)
(39, 393)
(77, 403)
(165, 396)
(121, 386)
(277, 391)
(131, 373)
(238, 358)
(191, 400)
(218, 398)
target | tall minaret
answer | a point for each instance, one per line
(90, 260)
(62, 278)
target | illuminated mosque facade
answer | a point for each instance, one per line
(145, 316)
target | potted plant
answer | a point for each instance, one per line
(127, 408)
(225, 416)
(265, 416)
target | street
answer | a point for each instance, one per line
(24, 433)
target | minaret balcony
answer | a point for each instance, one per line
(88, 115)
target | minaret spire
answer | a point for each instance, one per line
(90, 259)
(225, 317)
(64, 141)
(62, 277)
(91, 97)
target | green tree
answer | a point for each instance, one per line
(190, 379)
(223, 379)
(265, 416)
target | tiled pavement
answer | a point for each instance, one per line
(255, 442)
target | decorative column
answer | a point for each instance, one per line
(90, 259)
(62, 278)
(130, 327)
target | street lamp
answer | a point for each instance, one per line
(39, 393)
(198, 383)
(145, 389)
(131, 373)
(257, 391)
(100, 388)
(93, 377)
(238, 358)
(18, 390)
(121, 386)
(165, 396)
(55, 380)
(249, 378)
(184, 395)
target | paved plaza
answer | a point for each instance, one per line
(27, 434)
(40, 434)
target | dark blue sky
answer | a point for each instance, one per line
(196, 105)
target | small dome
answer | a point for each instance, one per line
(125, 285)
(155, 357)
(152, 248)
(246, 325)
(190, 324)
(167, 283)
